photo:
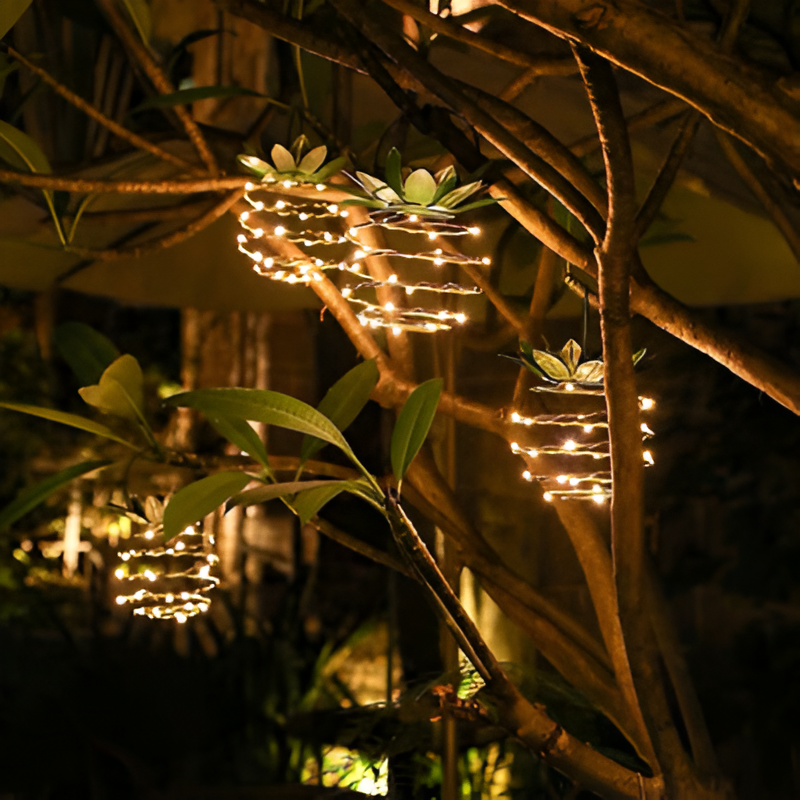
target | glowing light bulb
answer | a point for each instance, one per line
(646, 403)
(320, 187)
(527, 475)
(124, 556)
(150, 575)
(547, 497)
(648, 457)
(249, 186)
(170, 598)
(347, 291)
(389, 306)
(288, 184)
(430, 326)
(570, 445)
(119, 573)
(258, 232)
(533, 453)
(395, 330)
(515, 417)
(432, 235)
(244, 216)
(180, 617)
(562, 479)
(461, 318)
(527, 421)
(280, 205)
(241, 238)
(392, 279)
(409, 290)
(474, 230)
(599, 499)
(597, 488)
(259, 206)
(515, 448)
(280, 230)
(569, 387)
(333, 208)
(359, 254)
(120, 601)
(413, 218)
(646, 429)
(588, 428)
(574, 481)
(486, 260)
(257, 256)
(327, 236)
(344, 213)
(149, 534)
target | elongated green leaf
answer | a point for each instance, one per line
(86, 350)
(10, 12)
(239, 432)
(186, 42)
(73, 420)
(331, 168)
(282, 159)
(313, 159)
(185, 96)
(457, 196)
(309, 502)
(343, 401)
(31, 497)
(262, 405)
(393, 171)
(270, 491)
(193, 502)
(446, 180)
(140, 14)
(413, 425)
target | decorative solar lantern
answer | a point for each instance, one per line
(417, 217)
(166, 579)
(571, 455)
(306, 222)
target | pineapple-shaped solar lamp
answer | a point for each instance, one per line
(417, 215)
(308, 223)
(570, 458)
(165, 579)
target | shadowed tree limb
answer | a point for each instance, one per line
(159, 80)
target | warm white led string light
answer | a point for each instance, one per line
(177, 590)
(295, 224)
(577, 483)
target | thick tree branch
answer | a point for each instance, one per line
(87, 186)
(739, 98)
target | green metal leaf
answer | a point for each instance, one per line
(262, 405)
(86, 350)
(343, 401)
(120, 391)
(413, 424)
(186, 96)
(394, 177)
(240, 432)
(140, 14)
(313, 159)
(193, 502)
(73, 420)
(283, 159)
(551, 366)
(420, 187)
(457, 196)
(31, 497)
(10, 12)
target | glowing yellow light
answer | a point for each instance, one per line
(569, 387)
(413, 218)
(280, 205)
(599, 499)
(486, 260)
(288, 184)
(574, 481)
(333, 208)
(527, 475)
(170, 598)
(533, 453)
(597, 489)
(150, 575)
(514, 447)
(249, 186)
(347, 291)
(646, 403)
(244, 216)
(241, 238)
(645, 429)
(430, 326)
(344, 213)
(120, 601)
(396, 330)
(303, 216)
(588, 428)
(461, 318)
(320, 187)
(124, 556)
(359, 254)
(432, 235)
(562, 478)
(438, 261)
(409, 290)
(280, 230)
(258, 233)
(120, 573)
(257, 256)
(570, 445)
(180, 617)
(392, 279)
(149, 535)
(389, 306)
(515, 417)
(547, 496)
(648, 457)
(259, 206)
(474, 230)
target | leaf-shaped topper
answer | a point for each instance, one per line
(566, 366)
(422, 193)
(293, 164)
(120, 391)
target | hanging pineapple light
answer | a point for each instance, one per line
(421, 207)
(571, 457)
(167, 579)
(302, 221)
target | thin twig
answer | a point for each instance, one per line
(159, 80)
(667, 173)
(162, 242)
(123, 133)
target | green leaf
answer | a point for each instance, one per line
(420, 187)
(446, 180)
(457, 196)
(140, 14)
(482, 203)
(283, 159)
(240, 432)
(254, 165)
(639, 355)
(193, 502)
(10, 12)
(337, 165)
(313, 159)
(87, 351)
(309, 502)
(271, 491)
(413, 425)
(120, 391)
(73, 420)
(262, 405)
(552, 366)
(394, 176)
(343, 401)
(185, 96)
(31, 497)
